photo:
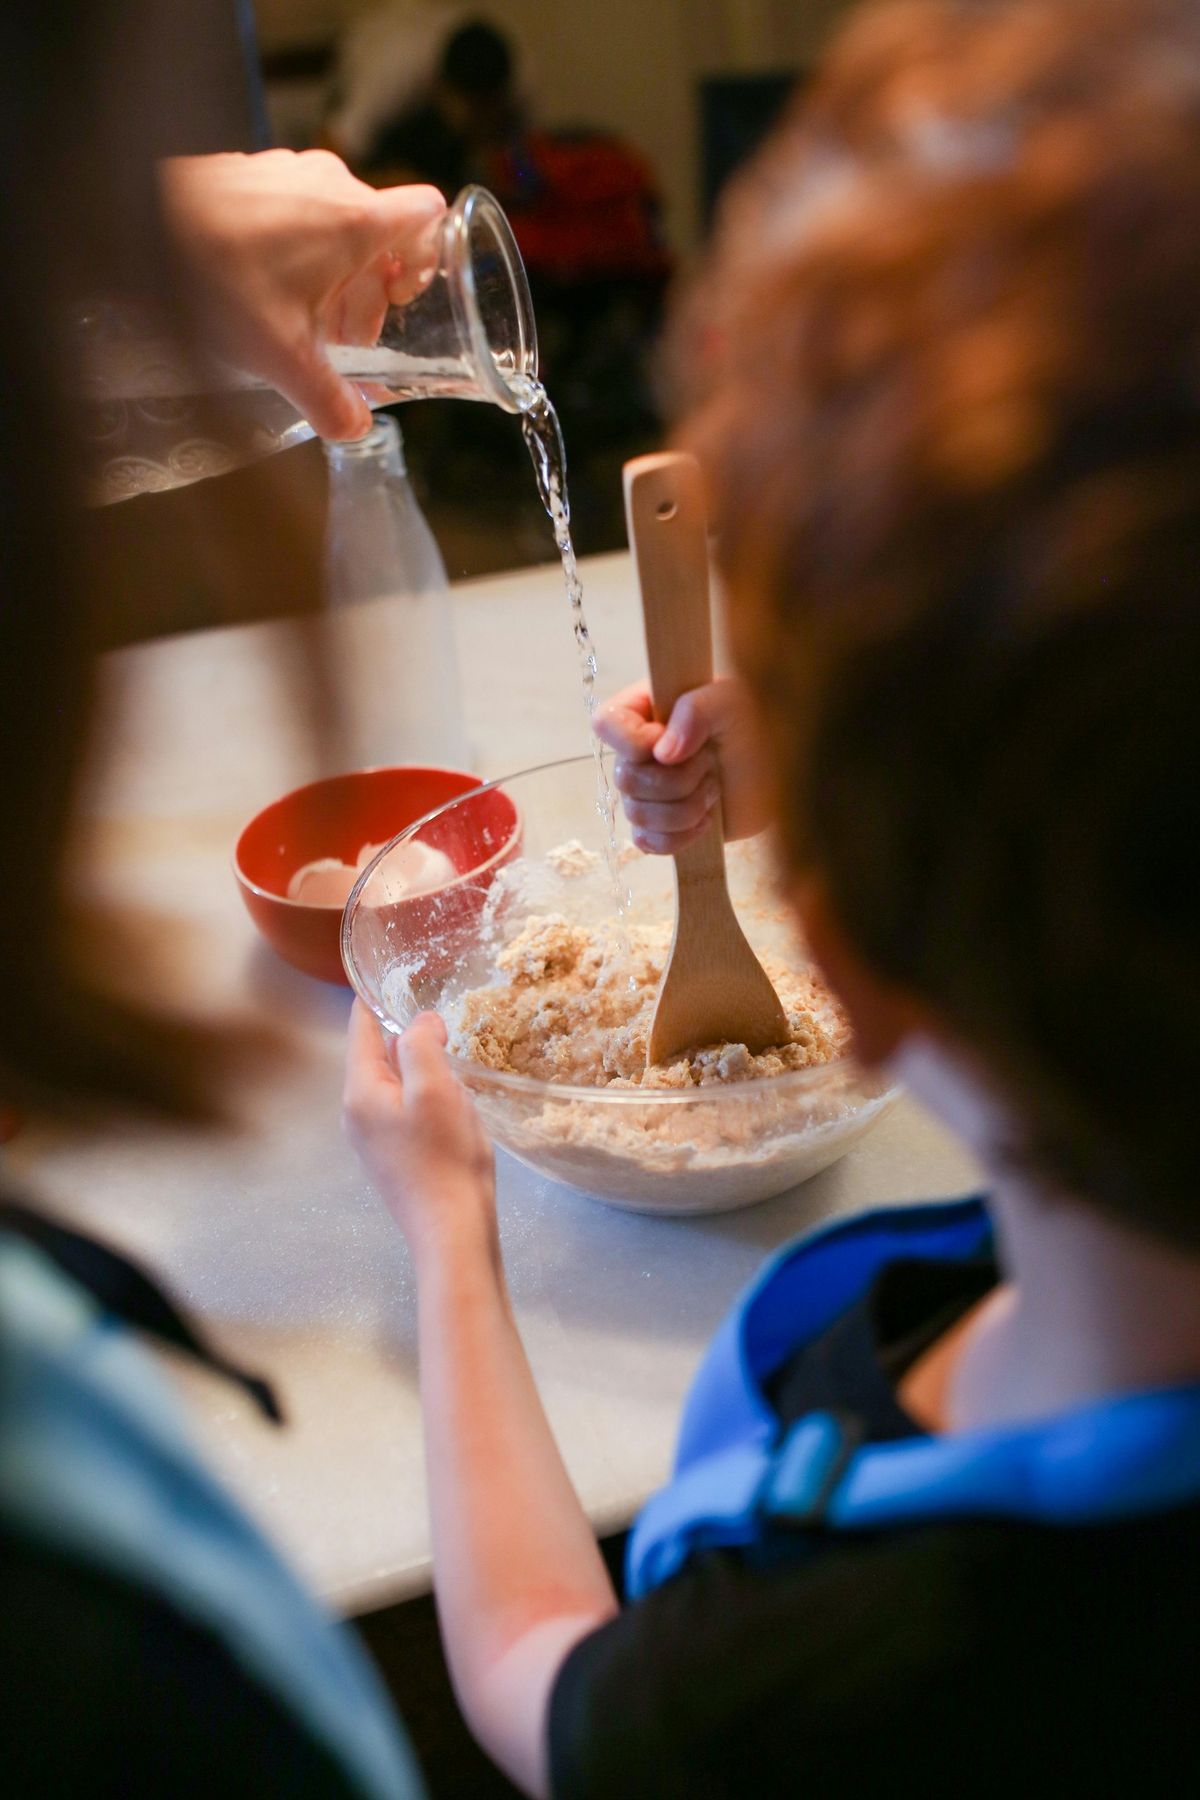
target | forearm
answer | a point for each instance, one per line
(518, 1573)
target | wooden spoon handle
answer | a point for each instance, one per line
(666, 518)
(664, 507)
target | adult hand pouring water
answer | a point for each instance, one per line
(282, 253)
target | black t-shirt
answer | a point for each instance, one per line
(969, 1657)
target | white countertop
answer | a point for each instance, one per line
(271, 1234)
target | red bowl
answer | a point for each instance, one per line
(335, 817)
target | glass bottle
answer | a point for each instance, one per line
(392, 638)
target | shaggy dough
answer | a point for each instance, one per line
(573, 1004)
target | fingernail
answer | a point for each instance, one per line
(667, 745)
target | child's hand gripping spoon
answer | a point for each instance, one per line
(714, 989)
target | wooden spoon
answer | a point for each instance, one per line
(714, 989)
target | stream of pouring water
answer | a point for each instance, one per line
(543, 435)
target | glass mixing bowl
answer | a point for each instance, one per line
(534, 845)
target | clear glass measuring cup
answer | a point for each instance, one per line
(470, 333)
(154, 418)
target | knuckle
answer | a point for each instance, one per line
(322, 161)
(352, 1095)
(351, 1117)
(680, 782)
(360, 217)
(650, 783)
(612, 728)
(653, 842)
(296, 345)
(361, 1114)
(685, 717)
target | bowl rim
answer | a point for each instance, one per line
(331, 908)
(509, 1081)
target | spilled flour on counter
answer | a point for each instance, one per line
(573, 1004)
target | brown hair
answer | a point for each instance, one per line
(89, 97)
(951, 339)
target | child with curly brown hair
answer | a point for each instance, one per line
(936, 1510)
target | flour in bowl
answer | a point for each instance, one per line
(573, 1003)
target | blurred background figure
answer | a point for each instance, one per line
(382, 67)
(466, 116)
(433, 95)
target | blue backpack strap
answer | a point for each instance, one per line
(730, 1499)
(802, 1290)
(94, 1462)
(1115, 1459)
(726, 1460)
